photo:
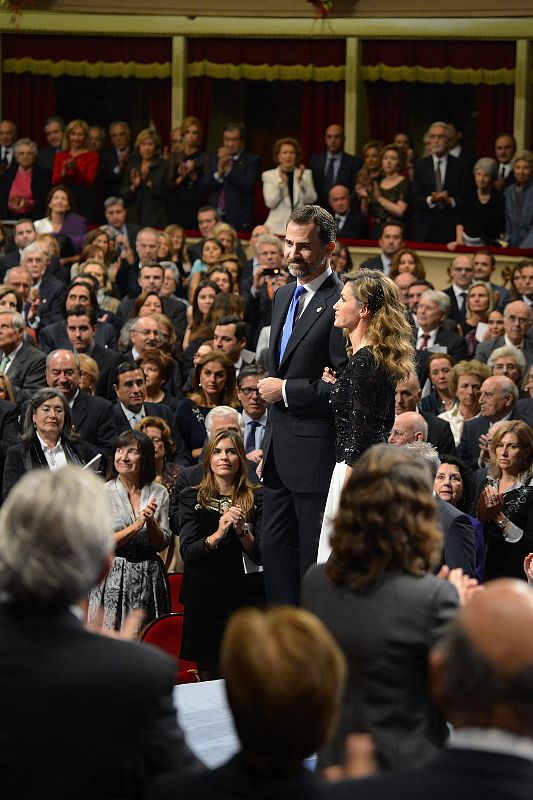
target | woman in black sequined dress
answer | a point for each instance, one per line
(379, 342)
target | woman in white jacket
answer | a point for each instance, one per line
(289, 185)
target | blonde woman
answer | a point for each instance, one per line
(378, 341)
(144, 186)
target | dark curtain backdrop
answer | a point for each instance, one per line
(323, 103)
(461, 55)
(200, 92)
(28, 100)
(388, 108)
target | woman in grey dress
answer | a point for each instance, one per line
(137, 578)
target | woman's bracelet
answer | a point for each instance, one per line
(208, 546)
(502, 522)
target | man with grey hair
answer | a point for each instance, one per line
(35, 258)
(439, 182)
(146, 245)
(517, 317)
(87, 695)
(23, 364)
(125, 232)
(459, 539)
(431, 335)
(260, 287)
(508, 361)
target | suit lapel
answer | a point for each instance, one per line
(314, 310)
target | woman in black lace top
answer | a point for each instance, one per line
(379, 343)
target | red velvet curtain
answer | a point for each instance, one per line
(200, 93)
(144, 50)
(435, 53)
(320, 52)
(28, 100)
(388, 108)
(323, 104)
(496, 112)
(157, 96)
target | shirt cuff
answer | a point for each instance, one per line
(513, 533)
(284, 393)
(430, 202)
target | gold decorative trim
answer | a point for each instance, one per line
(265, 72)
(492, 77)
(86, 69)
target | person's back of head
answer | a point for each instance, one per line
(55, 538)
(284, 679)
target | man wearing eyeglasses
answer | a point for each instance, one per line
(253, 410)
(517, 318)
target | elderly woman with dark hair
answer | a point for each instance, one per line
(47, 440)
(482, 218)
(160, 435)
(380, 601)
(158, 368)
(139, 505)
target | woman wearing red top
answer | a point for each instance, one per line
(76, 167)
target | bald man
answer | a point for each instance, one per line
(481, 677)
(408, 427)
(333, 166)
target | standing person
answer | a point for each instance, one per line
(139, 506)
(298, 444)
(379, 343)
(76, 166)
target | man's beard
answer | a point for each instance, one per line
(303, 270)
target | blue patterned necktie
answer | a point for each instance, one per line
(287, 330)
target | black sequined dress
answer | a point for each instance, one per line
(363, 404)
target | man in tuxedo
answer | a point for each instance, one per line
(92, 417)
(20, 361)
(81, 330)
(390, 241)
(462, 275)
(480, 677)
(54, 130)
(350, 222)
(87, 695)
(504, 150)
(24, 233)
(439, 182)
(230, 179)
(334, 167)
(298, 445)
(517, 317)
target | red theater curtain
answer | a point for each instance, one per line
(28, 100)
(323, 104)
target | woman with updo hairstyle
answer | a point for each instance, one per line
(406, 260)
(379, 344)
(144, 186)
(385, 608)
(286, 186)
(386, 200)
(160, 435)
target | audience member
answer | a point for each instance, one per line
(24, 185)
(484, 267)
(390, 241)
(333, 167)
(504, 150)
(351, 224)
(517, 318)
(76, 167)
(54, 131)
(386, 200)
(407, 397)
(144, 184)
(288, 185)
(464, 382)
(254, 410)
(23, 363)
(461, 272)
(519, 203)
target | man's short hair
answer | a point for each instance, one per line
(426, 452)
(83, 311)
(423, 282)
(33, 247)
(53, 549)
(147, 229)
(234, 126)
(269, 238)
(151, 265)
(482, 252)
(127, 366)
(118, 122)
(325, 223)
(223, 411)
(241, 328)
(250, 371)
(203, 209)
(60, 121)
(507, 352)
(114, 201)
(17, 320)
(285, 676)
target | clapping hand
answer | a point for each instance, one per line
(329, 375)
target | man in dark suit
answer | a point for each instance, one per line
(504, 150)
(81, 330)
(350, 222)
(113, 161)
(131, 407)
(51, 291)
(92, 417)
(433, 308)
(390, 241)
(484, 266)
(230, 336)
(146, 245)
(480, 677)
(125, 232)
(150, 279)
(20, 361)
(9, 423)
(230, 179)
(333, 166)
(462, 275)
(497, 401)
(439, 182)
(23, 234)
(299, 441)
(87, 695)
(517, 317)
(54, 130)
(437, 431)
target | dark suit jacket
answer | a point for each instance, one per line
(81, 692)
(239, 185)
(454, 312)
(108, 361)
(40, 185)
(346, 175)
(11, 259)
(303, 432)
(485, 349)
(9, 425)
(455, 346)
(181, 456)
(372, 263)
(51, 293)
(55, 336)
(93, 421)
(46, 158)
(458, 773)
(459, 546)
(439, 434)
(26, 373)
(355, 226)
(468, 449)
(436, 224)
(234, 780)
(174, 309)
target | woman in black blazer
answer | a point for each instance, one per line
(47, 439)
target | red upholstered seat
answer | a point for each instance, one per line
(165, 632)
(175, 580)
